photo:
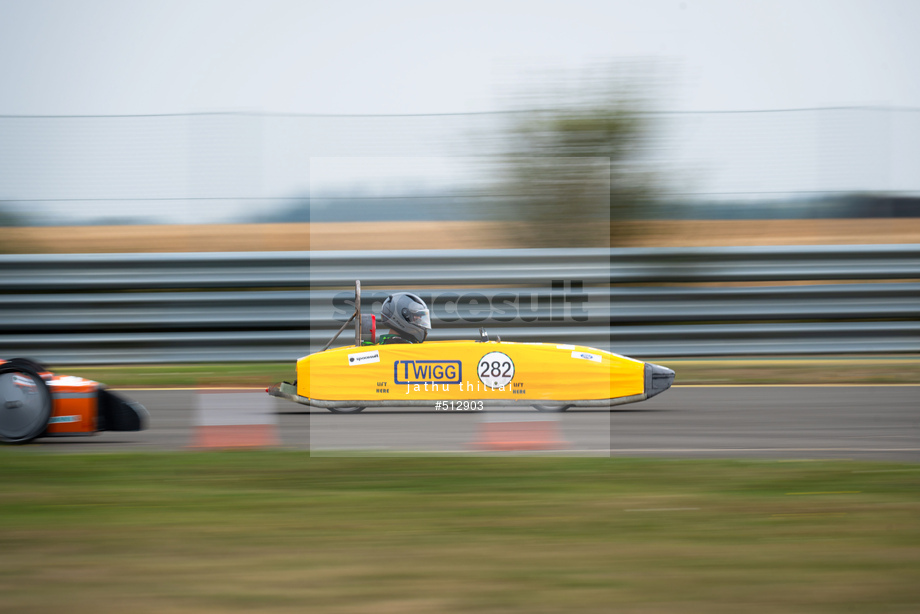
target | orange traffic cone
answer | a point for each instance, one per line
(519, 432)
(234, 419)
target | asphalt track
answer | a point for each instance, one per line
(776, 422)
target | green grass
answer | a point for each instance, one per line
(279, 531)
(258, 374)
(804, 370)
(821, 370)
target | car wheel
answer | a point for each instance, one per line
(25, 403)
(346, 410)
(28, 363)
(552, 408)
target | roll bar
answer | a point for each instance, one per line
(356, 316)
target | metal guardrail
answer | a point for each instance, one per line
(93, 272)
(106, 308)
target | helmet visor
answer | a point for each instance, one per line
(420, 317)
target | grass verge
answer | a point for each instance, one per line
(855, 370)
(279, 531)
(255, 375)
(805, 370)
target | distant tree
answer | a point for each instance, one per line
(8, 217)
(577, 161)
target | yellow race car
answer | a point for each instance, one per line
(401, 368)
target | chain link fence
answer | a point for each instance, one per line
(251, 167)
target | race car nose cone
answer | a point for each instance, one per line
(657, 379)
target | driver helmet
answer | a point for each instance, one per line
(406, 314)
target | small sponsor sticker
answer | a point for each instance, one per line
(63, 419)
(586, 356)
(363, 358)
(565, 346)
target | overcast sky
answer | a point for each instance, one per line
(173, 56)
(123, 57)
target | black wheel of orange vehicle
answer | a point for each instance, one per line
(25, 403)
(28, 363)
(346, 410)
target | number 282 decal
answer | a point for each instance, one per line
(495, 369)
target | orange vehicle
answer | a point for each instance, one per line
(34, 402)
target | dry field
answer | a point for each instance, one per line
(437, 235)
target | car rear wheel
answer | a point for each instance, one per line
(25, 403)
(28, 363)
(552, 408)
(346, 410)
